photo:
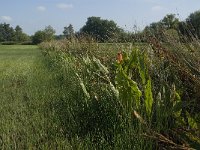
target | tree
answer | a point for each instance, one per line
(1, 33)
(154, 29)
(167, 26)
(6, 33)
(19, 35)
(193, 22)
(69, 31)
(38, 37)
(170, 21)
(102, 30)
(43, 35)
(18, 29)
(49, 33)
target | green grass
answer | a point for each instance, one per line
(41, 103)
(26, 91)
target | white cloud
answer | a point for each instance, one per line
(41, 8)
(157, 8)
(64, 6)
(6, 18)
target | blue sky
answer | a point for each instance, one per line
(33, 15)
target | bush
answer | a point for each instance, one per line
(9, 43)
(26, 43)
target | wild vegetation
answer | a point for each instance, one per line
(148, 99)
(89, 91)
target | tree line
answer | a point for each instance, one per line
(170, 25)
(103, 30)
(10, 34)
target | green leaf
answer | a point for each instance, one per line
(136, 93)
(148, 98)
(132, 61)
(83, 86)
(128, 89)
(142, 69)
(102, 68)
(191, 121)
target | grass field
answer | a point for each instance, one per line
(26, 89)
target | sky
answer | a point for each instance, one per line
(34, 15)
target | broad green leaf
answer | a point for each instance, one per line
(128, 89)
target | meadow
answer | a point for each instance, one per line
(26, 91)
(79, 94)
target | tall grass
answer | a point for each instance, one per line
(138, 103)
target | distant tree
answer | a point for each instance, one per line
(127, 37)
(193, 22)
(6, 32)
(167, 26)
(154, 29)
(170, 21)
(18, 29)
(59, 37)
(19, 35)
(1, 33)
(38, 37)
(156, 26)
(102, 30)
(69, 31)
(47, 34)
